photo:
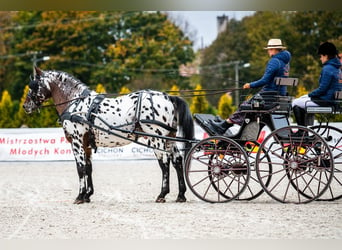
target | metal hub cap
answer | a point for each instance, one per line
(293, 165)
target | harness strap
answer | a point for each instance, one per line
(163, 125)
(138, 109)
(93, 109)
(66, 114)
(152, 121)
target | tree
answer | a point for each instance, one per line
(175, 90)
(311, 28)
(6, 110)
(21, 118)
(217, 67)
(301, 32)
(199, 104)
(74, 40)
(124, 90)
(100, 89)
(6, 36)
(225, 105)
(147, 52)
(112, 47)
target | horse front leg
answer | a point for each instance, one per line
(84, 170)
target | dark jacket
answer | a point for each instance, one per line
(277, 66)
(328, 81)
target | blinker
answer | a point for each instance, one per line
(34, 85)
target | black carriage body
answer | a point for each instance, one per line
(292, 164)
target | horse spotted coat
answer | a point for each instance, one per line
(91, 121)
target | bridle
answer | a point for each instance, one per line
(34, 86)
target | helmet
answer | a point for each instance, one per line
(327, 49)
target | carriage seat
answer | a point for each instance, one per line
(272, 99)
(333, 109)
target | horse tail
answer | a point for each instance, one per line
(185, 121)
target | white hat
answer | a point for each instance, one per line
(275, 44)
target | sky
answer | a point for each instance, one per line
(204, 23)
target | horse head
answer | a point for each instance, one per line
(39, 91)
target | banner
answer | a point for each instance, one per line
(50, 144)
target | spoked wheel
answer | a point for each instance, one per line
(333, 136)
(302, 165)
(217, 169)
(254, 189)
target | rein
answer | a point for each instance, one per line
(85, 93)
(211, 92)
(61, 103)
(190, 91)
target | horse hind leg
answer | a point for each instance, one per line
(177, 162)
(165, 168)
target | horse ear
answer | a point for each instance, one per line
(38, 71)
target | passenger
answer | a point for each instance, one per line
(324, 95)
(277, 66)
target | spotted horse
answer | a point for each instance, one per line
(91, 120)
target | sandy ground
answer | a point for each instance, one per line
(36, 203)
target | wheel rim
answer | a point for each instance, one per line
(217, 169)
(333, 136)
(302, 165)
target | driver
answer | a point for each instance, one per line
(277, 66)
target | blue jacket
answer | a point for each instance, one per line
(328, 81)
(277, 66)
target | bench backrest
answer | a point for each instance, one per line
(290, 81)
(338, 95)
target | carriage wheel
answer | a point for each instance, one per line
(302, 165)
(333, 136)
(254, 189)
(217, 169)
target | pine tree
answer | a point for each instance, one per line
(100, 89)
(6, 110)
(175, 90)
(124, 90)
(21, 118)
(225, 105)
(199, 103)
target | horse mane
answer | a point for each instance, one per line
(64, 80)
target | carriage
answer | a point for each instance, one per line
(292, 164)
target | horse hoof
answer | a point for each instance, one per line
(77, 201)
(160, 200)
(181, 199)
